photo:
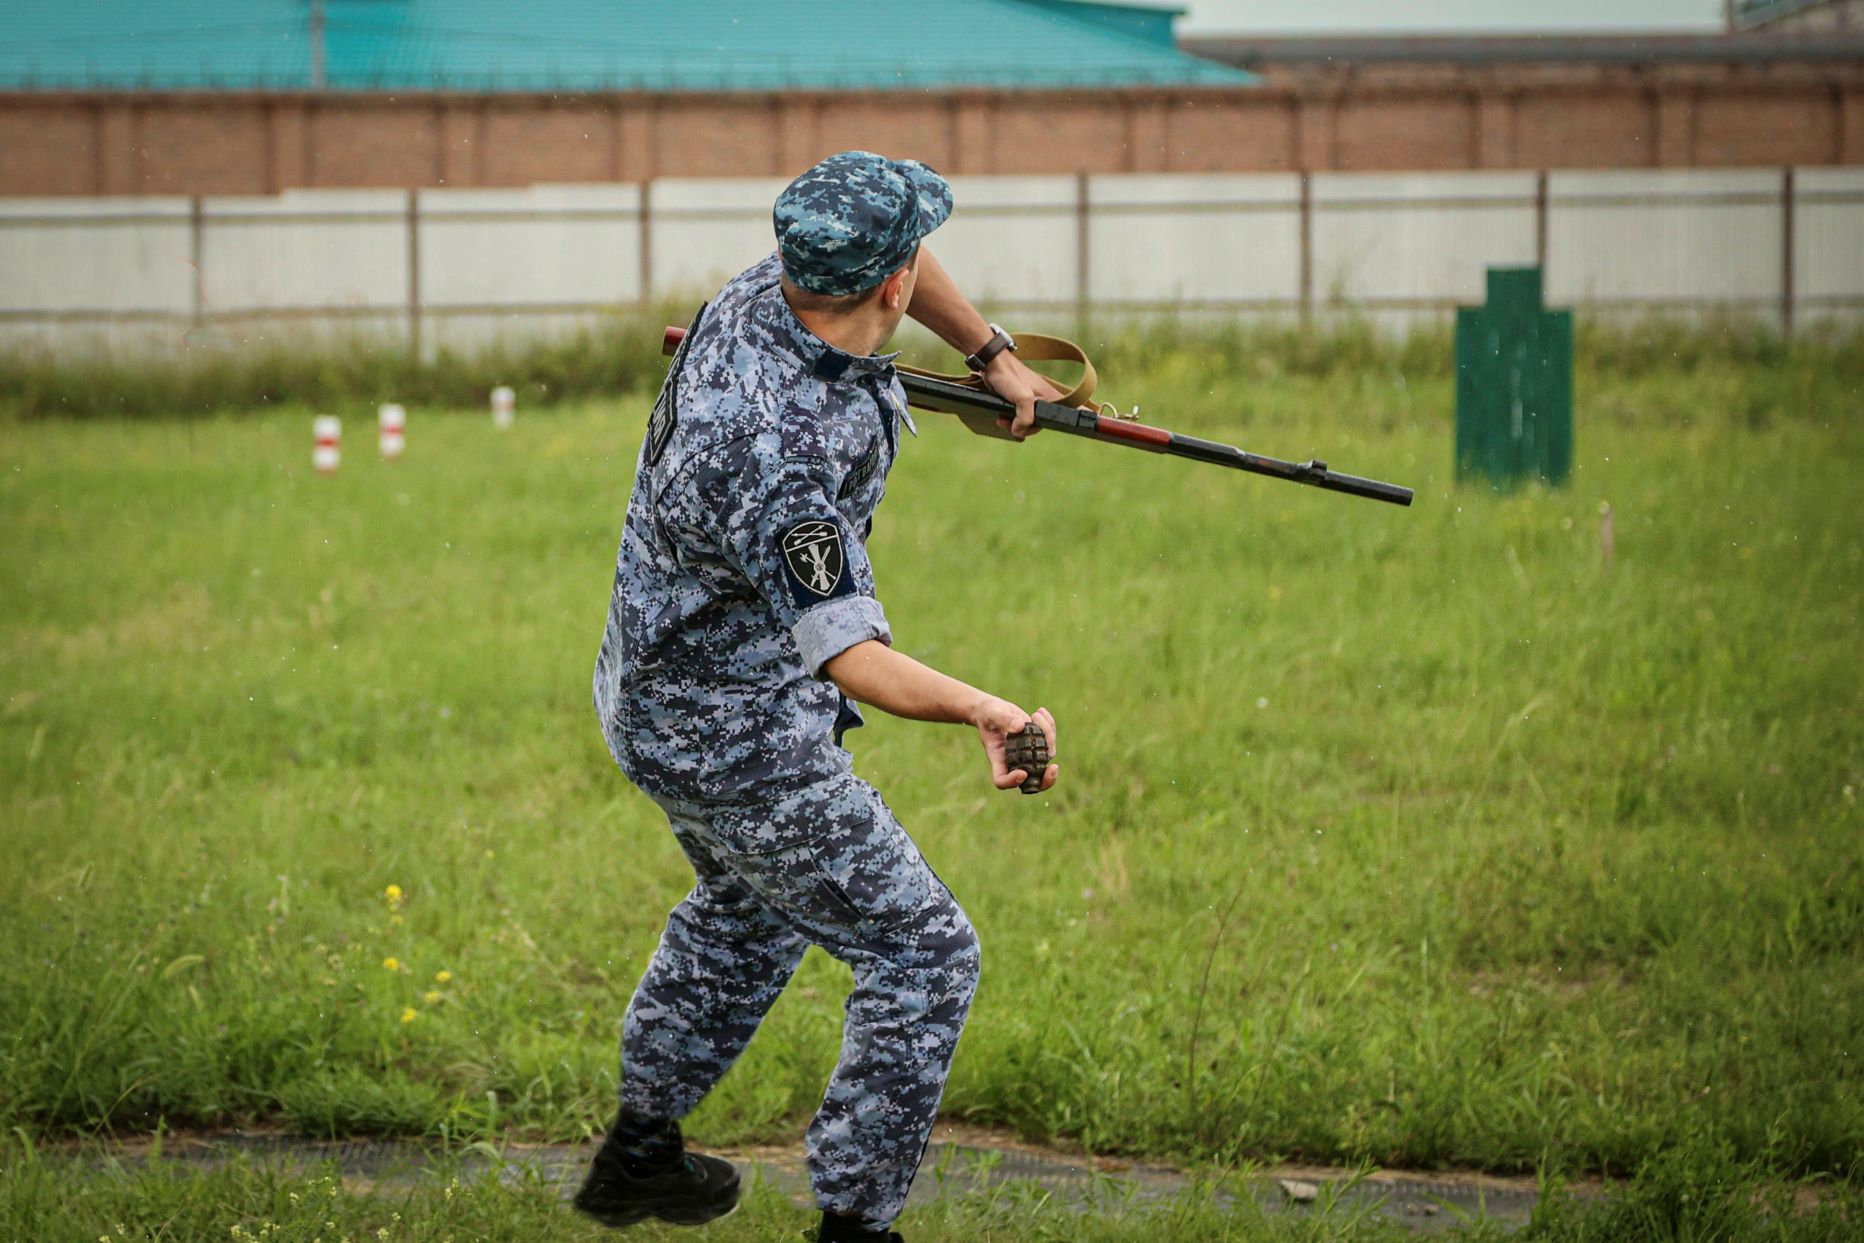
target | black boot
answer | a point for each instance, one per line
(838, 1229)
(643, 1170)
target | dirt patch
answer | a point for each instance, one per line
(963, 1159)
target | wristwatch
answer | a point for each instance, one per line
(999, 342)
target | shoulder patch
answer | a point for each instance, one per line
(815, 562)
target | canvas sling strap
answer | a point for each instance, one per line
(1032, 347)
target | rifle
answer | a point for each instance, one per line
(980, 409)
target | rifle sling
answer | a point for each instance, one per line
(1031, 347)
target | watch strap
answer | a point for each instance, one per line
(999, 342)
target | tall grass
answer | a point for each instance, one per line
(344, 371)
(622, 353)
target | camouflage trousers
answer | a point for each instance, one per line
(828, 864)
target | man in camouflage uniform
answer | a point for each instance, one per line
(742, 628)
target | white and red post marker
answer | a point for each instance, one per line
(327, 452)
(392, 425)
(504, 405)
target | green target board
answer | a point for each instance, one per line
(1514, 385)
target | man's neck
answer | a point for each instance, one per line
(859, 335)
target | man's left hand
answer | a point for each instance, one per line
(1010, 378)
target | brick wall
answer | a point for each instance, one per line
(262, 144)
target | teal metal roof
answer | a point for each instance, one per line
(1751, 13)
(585, 45)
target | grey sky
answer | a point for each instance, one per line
(1422, 16)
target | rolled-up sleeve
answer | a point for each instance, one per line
(828, 630)
(783, 531)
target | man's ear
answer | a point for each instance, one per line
(892, 289)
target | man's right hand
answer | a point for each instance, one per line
(996, 719)
(1010, 378)
(873, 673)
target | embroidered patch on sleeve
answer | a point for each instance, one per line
(815, 562)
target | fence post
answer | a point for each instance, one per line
(197, 298)
(647, 240)
(1082, 283)
(1786, 252)
(414, 275)
(1307, 246)
(1540, 222)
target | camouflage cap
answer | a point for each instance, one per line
(854, 219)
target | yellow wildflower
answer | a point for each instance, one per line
(391, 963)
(410, 1014)
(441, 977)
(431, 996)
(393, 894)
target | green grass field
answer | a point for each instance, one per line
(1414, 837)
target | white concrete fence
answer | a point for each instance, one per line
(465, 267)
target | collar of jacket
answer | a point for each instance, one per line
(823, 360)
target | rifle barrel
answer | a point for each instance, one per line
(949, 398)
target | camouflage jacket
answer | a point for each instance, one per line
(743, 568)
